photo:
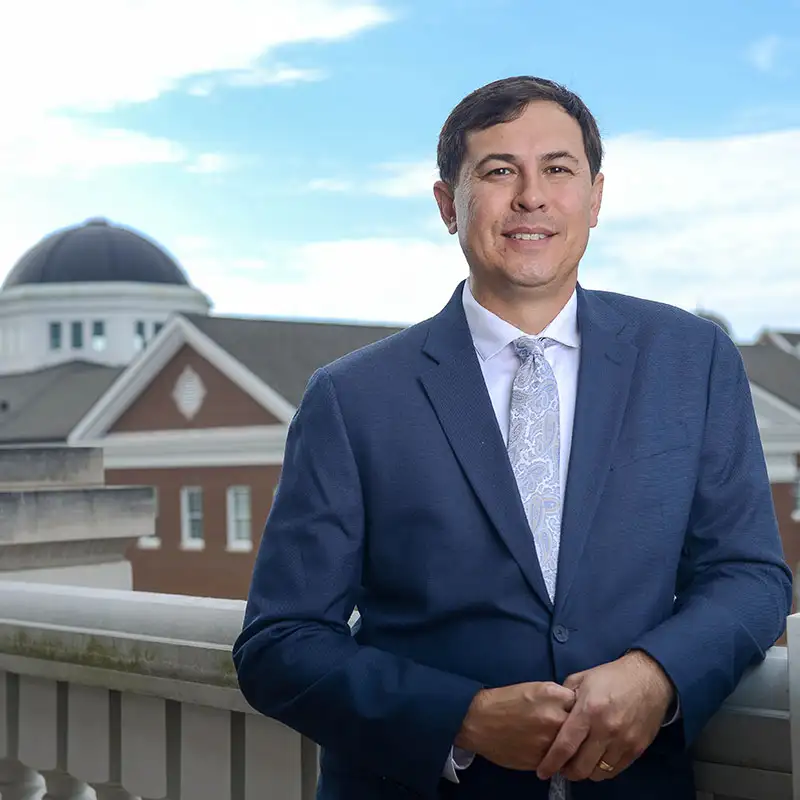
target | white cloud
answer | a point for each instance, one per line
(51, 146)
(257, 76)
(384, 280)
(763, 53)
(708, 223)
(400, 179)
(330, 185)
(165, 47)
(409, 179)
(211, 164)
(164, 44)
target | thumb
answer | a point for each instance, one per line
(574, 681)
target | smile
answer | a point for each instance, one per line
(528, 237)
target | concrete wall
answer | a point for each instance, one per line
(60, 524)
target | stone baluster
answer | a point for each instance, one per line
(18, 782)
(61, 786)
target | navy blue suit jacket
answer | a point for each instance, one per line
(397, 496)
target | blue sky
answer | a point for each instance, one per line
(285, 155)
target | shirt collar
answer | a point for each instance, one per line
(491, 334)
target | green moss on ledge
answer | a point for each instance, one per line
(91, 651)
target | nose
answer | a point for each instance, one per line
(530, 193)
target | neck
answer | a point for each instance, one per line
(531, 309)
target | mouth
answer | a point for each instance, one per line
(528, 237)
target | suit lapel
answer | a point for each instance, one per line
(606, 368)
(457, 391)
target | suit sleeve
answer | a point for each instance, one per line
(734, 588)
(295, 657)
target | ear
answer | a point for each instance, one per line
(597, 199)
(445, 199)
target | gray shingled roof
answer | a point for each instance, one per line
(44, 405)
(774, 370)
(284, 354)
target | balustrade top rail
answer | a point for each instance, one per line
(178, 648)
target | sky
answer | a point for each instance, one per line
(284, 152)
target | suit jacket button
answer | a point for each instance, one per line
(560, 634)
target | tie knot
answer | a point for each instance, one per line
(528, 347)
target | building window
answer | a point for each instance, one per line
(192, 537)
(77, 336)
(240, 528)
(55, 335)
(157, 326)
(99, 336)
(139, 337)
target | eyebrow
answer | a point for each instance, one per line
(547, 158)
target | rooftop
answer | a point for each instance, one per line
(96, 251)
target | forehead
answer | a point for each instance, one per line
(543, 127)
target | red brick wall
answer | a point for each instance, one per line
(224, 405)
(212, 572)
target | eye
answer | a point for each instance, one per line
(499, 171)
(561, 170)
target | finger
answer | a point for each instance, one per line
(617, 757)
(571, 736)
(574, 681)
(584, 763)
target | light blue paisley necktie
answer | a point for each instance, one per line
(534, 448)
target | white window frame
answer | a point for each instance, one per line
(187, 542)
(235, 543)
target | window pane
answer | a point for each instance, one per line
(77, 335)
(55, 335)
(241, 530)
(98, 336)
(241, 502)
(139, 336)
(196, 528)
(195, 502)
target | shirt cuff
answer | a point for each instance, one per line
(457, 760)
(676, 714)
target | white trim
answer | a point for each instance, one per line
(281, 408)
(152, 360)
(796, 515)
(774, 401)
(234, 544)
(777, 339)
(256, 445)
(187, 542)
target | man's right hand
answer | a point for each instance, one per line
(514, 726)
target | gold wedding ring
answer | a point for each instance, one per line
(605, 766)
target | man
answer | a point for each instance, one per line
(549, 505)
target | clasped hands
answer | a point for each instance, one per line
(592, 727)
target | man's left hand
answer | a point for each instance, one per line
(618, 712)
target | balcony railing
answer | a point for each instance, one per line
(124, 695)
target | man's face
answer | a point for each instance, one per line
(524, 202)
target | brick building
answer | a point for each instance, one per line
(197, 405)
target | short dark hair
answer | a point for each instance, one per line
(503, 101)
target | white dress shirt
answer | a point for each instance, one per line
(499, 363)
(493, 338)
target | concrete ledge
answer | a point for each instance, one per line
(63, 555)
(179, 647)
(46, 515)
(39, 467)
